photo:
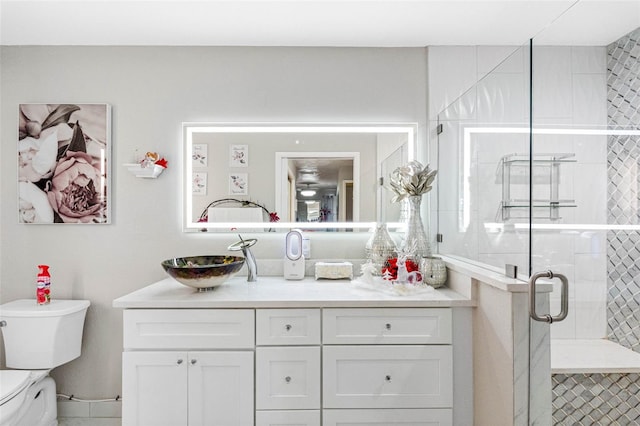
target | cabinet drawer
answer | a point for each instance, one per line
(387, 326)
(287, 378)
(188, 328)
(288, 418)
(387, 376)
(432, 417)
(287, 327)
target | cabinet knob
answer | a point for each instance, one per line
(387, 326)
(287, 327)
(193, 361)
(387, 378)
(287, 379)
(179, 361)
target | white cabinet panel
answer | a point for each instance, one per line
(288, 418)
(387, 376)
(287, 327)
(188, 328)
(386, 326)
(287, 378)
(433, 417)
(219, 388)
(154, 386)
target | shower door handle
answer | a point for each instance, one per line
(564, 297)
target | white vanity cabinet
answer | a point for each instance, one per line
(264, 356)
(188, 367)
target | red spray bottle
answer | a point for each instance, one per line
(43, 292)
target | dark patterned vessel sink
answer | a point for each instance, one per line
(203, 272)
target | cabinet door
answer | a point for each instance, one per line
(220, 388)
(154, 388)
(387, 376)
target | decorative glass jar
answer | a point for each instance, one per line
(380, 248)
(434, 271)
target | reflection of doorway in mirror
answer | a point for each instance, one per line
(345, 202)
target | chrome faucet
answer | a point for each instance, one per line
(250, 260)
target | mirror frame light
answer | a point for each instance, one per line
(188, 130)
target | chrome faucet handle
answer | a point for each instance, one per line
(250, 260)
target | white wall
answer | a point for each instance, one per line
(151, 91)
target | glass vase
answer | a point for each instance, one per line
(434, 271)
(415, 245)
(380, 248)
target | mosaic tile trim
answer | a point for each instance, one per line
(596, 399)
(623, 286)
(623, 202)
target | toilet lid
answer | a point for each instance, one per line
(12, 382)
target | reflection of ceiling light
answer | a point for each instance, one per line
(308, 192)
(309, 202)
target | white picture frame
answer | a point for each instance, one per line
(199, 183)
(239, 156)
(199, 155)
(238, 184)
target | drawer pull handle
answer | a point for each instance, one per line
(387, 326)
(287, 379)
(179, 361)
(193, 361)
(387, 378)
(287, 327)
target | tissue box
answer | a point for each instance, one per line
(334, 270)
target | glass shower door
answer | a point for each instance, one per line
(585, 214)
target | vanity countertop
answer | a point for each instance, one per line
(276, 292)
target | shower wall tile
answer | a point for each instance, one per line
(589, 94)
(552, 82)
(503, 98)
(500, 59)
(596, 399)
(589, 59)
(591, 193)
(590, 149)
(591, 242)
(452, 71)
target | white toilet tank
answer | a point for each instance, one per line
(42, 336)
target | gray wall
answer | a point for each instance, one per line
(151, 91)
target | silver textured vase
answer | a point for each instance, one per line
(434, 271)
(380, 248)
(415, 244)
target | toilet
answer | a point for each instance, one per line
(37, 338)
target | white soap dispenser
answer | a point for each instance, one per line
(294, 256)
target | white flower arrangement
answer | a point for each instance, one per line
(410, 180)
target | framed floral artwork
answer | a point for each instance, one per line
(238, 184)
(199, 183)
(238, 155)
(64, 163)
(199, 155)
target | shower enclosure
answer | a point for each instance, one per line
(539, 168)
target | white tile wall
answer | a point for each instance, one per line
(569, 89)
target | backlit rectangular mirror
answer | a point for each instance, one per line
(270, 177)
